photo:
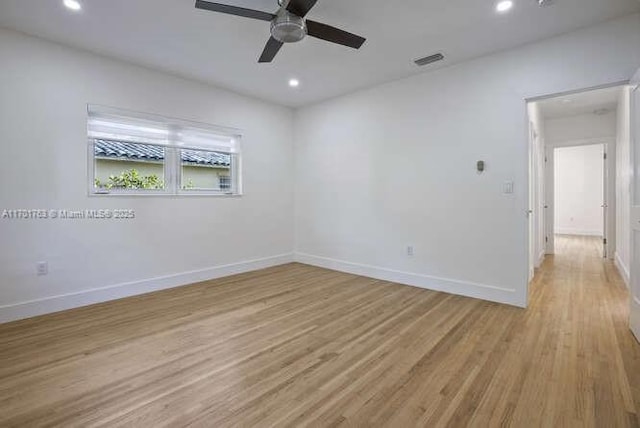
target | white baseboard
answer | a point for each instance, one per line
(63, 302)
(540, 259)
(623, 269)
(452, 286)
(563, 231)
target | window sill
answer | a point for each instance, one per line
(166, 195)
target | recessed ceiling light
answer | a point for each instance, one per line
(294, 83)
(504, 6)
(72, 4)
(567, 101)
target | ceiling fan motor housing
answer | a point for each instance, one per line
(288, 28)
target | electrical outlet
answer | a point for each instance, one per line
(42, 268)
(410, 250)
(507, 187)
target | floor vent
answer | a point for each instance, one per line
(429, 59)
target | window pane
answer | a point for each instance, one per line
(206, 170)
(121, 166)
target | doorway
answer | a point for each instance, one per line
(580, 206)
(586, 144)
(574, 183)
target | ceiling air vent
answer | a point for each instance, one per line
(602, 111)
(429, 59)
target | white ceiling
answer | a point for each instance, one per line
(590, 102)
(220, 49)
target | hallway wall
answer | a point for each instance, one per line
(579, 190)
(567, 131)
(623, 175)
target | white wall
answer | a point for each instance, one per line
(393, 166)
(623, 177)
(45, 88)
(579, 190)
(581, 128)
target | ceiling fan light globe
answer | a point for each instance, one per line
(288, 28)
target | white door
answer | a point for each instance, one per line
(605, 203)
(634, 318)
(549, 195)
(530, 210)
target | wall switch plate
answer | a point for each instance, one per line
(42, 268)
(410, 250)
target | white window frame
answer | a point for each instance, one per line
(172, 145)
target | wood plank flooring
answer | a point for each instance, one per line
(301, 346)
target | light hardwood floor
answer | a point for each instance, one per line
(297, 345)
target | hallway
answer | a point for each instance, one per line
(581, 303)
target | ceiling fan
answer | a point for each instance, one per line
(288, 25)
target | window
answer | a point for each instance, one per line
(121, 166)
(205, 170)
(133, 153)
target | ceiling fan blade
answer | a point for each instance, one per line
(234, 10)
(270, 50)
(334, 35)
(300, 7)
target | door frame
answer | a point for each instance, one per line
(527, 160)
(609, 191)
(535, 202)
(549, 200)
(634, 203)
(531, 194)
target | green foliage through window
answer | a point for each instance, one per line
(190, 185)
(131, 179)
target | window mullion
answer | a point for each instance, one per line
(91, 166)
(173, 161)
(170, 170)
